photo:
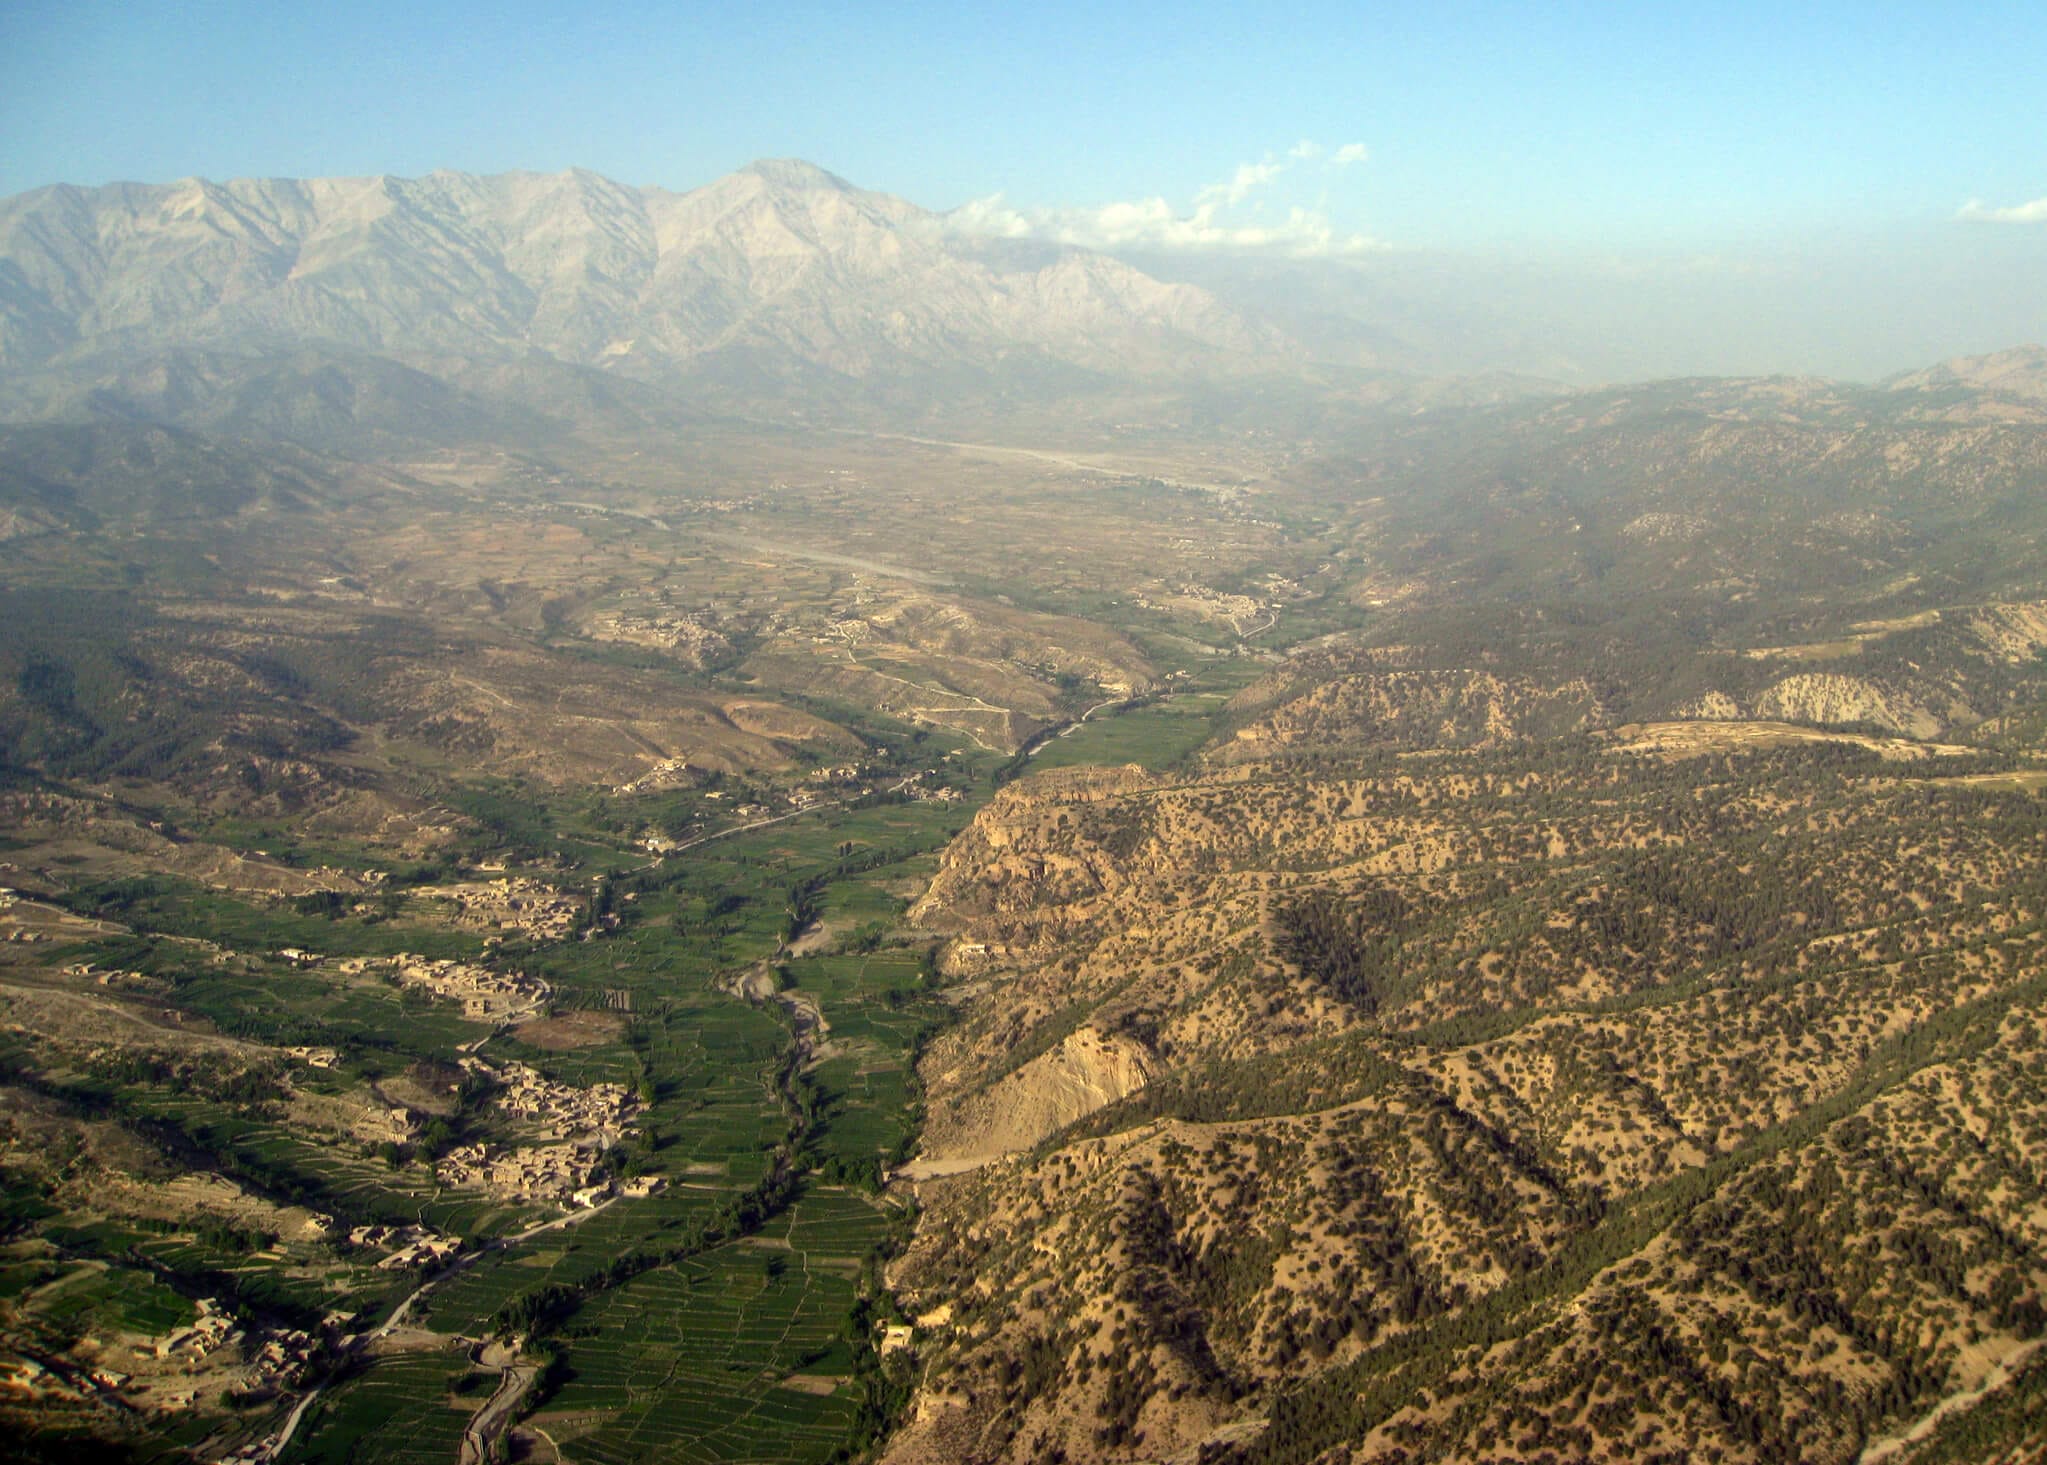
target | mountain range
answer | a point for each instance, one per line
(780, 273)
(361, 315)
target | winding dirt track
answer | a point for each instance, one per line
(494, 1418)
(275, 1445)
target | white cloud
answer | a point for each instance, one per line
(1248, 178)
(988, 218)
(1978, 212)
(1153, 223)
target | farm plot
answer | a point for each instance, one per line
(352, 1424)
(269, 1001)
(292, 1165)
(466, 1304)
(875, 1007)
(741, 1352)
(858, 978)
(109, 1298)
(695, 1362)
(1156, 735)
(865, 1117)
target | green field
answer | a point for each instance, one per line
(355, 1423)
(689, 1352)
(1156, 735)
(114, 1299)
(690, 1360)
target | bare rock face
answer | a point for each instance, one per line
(1299, 1215)
(1711, 707)
(1088, 1071)
(1458, 708)
(1827, 697)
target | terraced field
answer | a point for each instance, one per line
(739, 1355)
(354, 1423)
(748, 1346)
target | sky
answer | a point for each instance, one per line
(1656, 132)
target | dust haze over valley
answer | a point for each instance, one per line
(760, 822)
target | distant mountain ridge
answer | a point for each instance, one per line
(780, 267)
(373, 314)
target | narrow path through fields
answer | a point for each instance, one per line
(481, 1434)
(273, 1448)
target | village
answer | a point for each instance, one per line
(510, 904)
(192, 1366)
(576, 1127)
(685, 634)
(410, 1246)
(839, 784)
(667, 774)
(484, 995)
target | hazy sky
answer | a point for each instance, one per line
(1671, 133)
(1542, 124)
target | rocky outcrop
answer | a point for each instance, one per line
(1014, 859)
(1830, 699)
(1416, 709)
(2012, 632)
(1086, 1072)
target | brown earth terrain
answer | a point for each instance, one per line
(1482, 1105)
(1535, 951)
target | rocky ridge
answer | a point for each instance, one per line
(780, 266)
